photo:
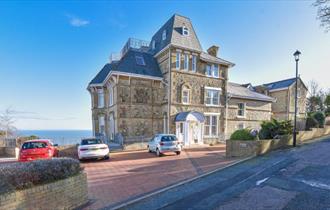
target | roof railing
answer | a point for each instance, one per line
(131, 43)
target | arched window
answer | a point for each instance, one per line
(185, 94)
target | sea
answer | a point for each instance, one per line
(60, 137)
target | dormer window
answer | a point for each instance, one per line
(153, 44)
(185, 31)
(164, 35)
(140, 60)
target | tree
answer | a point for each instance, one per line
(315, 98)
(323, 13)
(7, 122)
(327, 104)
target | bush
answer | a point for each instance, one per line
(243, 134)
(17, 176)
(311, 123)
(272, 129)
(320, 117)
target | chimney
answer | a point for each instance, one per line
(213, 50)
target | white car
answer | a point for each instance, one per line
(92, 148)
(163, 143)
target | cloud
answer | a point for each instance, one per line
(76, 21)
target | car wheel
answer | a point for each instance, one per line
(178, 152)
(107, 157)
(158, 153)
(149, 149)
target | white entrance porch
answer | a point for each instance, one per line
(189, 127)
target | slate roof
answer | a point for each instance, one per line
(182, 116)
(282, 84)
(207, 57)
(127, 64)
(174, 35)
(239, 91)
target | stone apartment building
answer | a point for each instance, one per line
(284, 94)
(170, 85)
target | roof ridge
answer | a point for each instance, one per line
(279, 81)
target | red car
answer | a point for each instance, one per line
(37, 149)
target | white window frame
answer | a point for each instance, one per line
(101, 119)
(178, 60)
(299, 93)
(186, 62)
(213, 90)
(210, 125)
(111, 102)
(185, 31)
(187, 97)
(208, 70)
(239, 109)
(194, 63)
(164, 35)
(100, 98)
(215, 70)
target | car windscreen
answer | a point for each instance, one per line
(168, 138)
(34, 145)
(91, 141)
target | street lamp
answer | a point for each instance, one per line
(296, 57)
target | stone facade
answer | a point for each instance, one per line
(283, 106)
(69, 193)
(255, 112)
(136, 111)
(135, 104)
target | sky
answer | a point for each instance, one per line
(50, 50)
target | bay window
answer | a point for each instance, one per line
(100, 98)
(110, 96)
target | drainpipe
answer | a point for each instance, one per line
(169, 91)
(228, 97)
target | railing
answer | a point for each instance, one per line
(131, 43)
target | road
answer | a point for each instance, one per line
(289, 179)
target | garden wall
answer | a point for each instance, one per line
(69, 193)
(8, 148)
(243, 148)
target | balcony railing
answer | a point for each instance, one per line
(131, 43)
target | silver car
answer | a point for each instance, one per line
(163, 143)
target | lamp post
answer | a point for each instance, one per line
(296, 57)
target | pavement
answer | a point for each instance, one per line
(296, 178)
(129, 175)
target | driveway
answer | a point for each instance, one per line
(128, 175)
(298, 178)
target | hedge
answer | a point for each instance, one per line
(17, 176)
(243, 134)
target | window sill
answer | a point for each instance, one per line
(241, 117)
(213, 105)
(211, 136)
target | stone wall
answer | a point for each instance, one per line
(251, 148)
(69, 193)
(8, 148)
